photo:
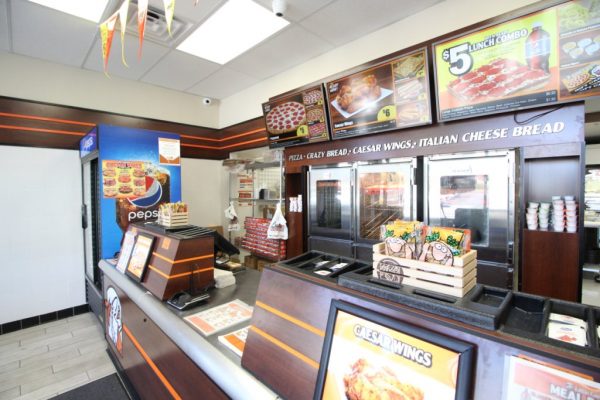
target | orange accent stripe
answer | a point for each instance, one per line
(182, 260)
(162, 378)
(55, 131)
(153, 268)
(285, 347)
(223, 139)
(289, 318)
(62, 121)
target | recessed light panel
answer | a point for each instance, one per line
(234, 28)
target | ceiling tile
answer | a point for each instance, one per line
(297, 10)
(223, 83)
(346, 20)
(291, 47)
(4, 37)
(187, 11)
(179, 71)
(41, 32)
(151, 53)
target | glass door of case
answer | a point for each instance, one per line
(476, 192)
(330, 202)
(384, 193)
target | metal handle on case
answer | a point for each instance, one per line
(511, 249)
(84, 221)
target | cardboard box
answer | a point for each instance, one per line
(250, 262)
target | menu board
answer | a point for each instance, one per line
(296, 119)
(363, 349)
(579, 49)
(540, 58)
(385, 97)
(507, 66)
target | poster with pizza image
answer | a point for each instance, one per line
(124, 179)
(297, 118)
(505, 67)
(388, 96)
(528, 380)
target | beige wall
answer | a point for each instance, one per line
(435, 21)
(32, 79)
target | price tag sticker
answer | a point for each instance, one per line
(387, 113)
(302, 130)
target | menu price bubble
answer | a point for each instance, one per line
(385, 97)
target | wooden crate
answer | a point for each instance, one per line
(173, 220)
(454, 280)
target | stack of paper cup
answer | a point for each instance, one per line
(543, 215)
(532, 216)
(558, 214)
(571, 213)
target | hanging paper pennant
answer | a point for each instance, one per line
(141, 16)
(169, 12)
(107, 29)
(123, 10)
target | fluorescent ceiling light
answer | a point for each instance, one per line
(91, 10)
(234, 28)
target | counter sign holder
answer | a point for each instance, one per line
(360, 343)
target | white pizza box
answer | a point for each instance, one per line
(567, 333)
(567, 319)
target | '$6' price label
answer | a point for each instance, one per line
(459, 58)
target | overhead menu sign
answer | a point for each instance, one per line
(508, 66)
(382, 98)
(537, 59)
(297, 118)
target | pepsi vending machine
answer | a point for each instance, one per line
(127, 173)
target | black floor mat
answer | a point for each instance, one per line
(109, 387)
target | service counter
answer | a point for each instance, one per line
(164, 357)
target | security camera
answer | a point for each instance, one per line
(207, 101)
(279, 7)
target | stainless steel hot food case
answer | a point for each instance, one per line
(349, 202)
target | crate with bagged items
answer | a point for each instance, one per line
(437, 259)
(173, 215)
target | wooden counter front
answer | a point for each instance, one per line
(284, 344)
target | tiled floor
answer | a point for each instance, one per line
(45, 360)
(590, 292)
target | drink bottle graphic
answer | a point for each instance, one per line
(537, 48)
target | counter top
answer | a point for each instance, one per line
(218, 362)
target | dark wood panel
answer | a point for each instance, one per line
(551, 264)
(293, 379)
(281, 288)
(37, 124)
(181, 373)
(428, 140)
(294, 186)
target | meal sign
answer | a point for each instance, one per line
(388, 96)
(540, 58)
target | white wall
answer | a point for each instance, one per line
(41, 241)
(32, 79)
(435, 21)
(592, 154)
(202, 187)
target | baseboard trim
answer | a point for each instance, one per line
(25, 323)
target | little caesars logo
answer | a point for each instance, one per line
(390, 270)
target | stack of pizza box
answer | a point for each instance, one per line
(454, 278)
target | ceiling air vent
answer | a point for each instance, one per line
(156, 26)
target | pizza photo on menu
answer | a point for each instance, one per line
(286, 117)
